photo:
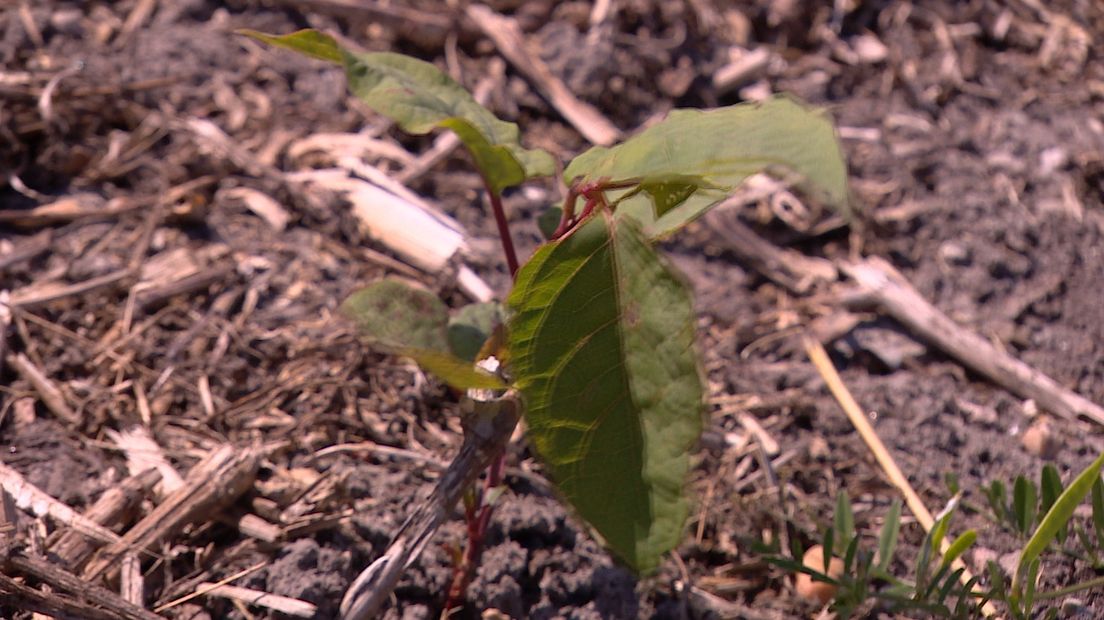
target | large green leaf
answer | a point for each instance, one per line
(601, 346)
(404, 319)
(419, 97)
(689, 161)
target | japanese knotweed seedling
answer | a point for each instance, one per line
(597, 334)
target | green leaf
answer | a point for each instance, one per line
(716, 150)
(997, 497)
(405, 319)
(1024, 502)
(828, 550)
(1058, 515)
(844, 519)
(307, 42)
(959, 546)
(420, 97)
(1098, 510)
(1050, 486)
(887, 540)
(601, 345)
(549, 220)
(470, 328)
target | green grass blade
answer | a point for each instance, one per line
(1098, 510)
(850, 553)
(844, 519)
(887, 539)
(959, 546)
(1050, 487)
(1024, 503)
(1058, 515)
(828, 546)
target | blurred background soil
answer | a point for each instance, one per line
(974, 133)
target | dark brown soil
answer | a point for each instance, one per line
(976, 151)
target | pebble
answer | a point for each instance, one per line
(1040, 441)
(818, 591)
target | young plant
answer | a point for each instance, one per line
(598, 332)
(932, 589)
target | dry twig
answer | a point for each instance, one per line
(508, 38)
(883, 286)
(212, 483)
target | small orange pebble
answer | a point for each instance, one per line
(1039, 440)
(813, 590)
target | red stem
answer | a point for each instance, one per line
(503, 229)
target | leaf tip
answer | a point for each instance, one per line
(308, 42)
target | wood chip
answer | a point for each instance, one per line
(143, 453)
(30, 498)
(745, 67)
(212, 483)
(282, 604)
(261, 204)
(112, 509)
(49, 393)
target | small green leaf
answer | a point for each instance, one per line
(951, 480)
(405, 319)
(307, 42)
(1098, 510)
(1058, 515)
(844, 519)
(959, 546)
(828, 546)
(887, 540)
(996, 580)
(395, 314)
(1050, 485)
(549, 220)
(458, 373)
(420, 97)
(601, 345)
(1024, 502)
(470, 327)
(997, 501)
(716, 150)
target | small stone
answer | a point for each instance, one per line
(1039, 440)
(67, 21)
(818, 591)
(869, 49)
(955, 253)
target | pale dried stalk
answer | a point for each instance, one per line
(884, 286)
(110, 510)
(49, 393)
(212, 483)
(30, 498)
(508, 39)
(283, 604)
